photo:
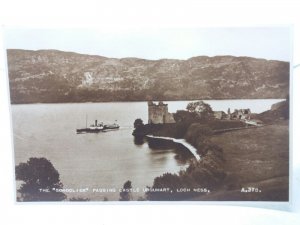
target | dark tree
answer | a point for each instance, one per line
(139, 131)
(138, 122)
(203, 110)
(40, 181)
(125, 194)
(186, 117)
(170, 181)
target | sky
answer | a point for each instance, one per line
(261, 42)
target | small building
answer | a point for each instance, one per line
(158, 113)
(220, 115)
(241, 114)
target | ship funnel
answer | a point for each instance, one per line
(95, 122)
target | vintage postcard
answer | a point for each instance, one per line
(150, 115)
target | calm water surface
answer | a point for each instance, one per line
(104, 160)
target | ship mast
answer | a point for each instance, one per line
(85, 120)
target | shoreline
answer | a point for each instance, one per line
(182, 142)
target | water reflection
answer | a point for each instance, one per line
(139, 140)
(158, 144)
(161, 146)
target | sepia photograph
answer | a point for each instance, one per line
(143, 115)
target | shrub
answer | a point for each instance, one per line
(41, 180)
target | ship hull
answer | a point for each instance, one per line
(88, 130)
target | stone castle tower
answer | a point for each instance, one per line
(158, 113)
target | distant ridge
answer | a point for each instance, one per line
(47, 76)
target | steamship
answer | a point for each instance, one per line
(98, 127)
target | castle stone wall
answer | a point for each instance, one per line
(158, 113)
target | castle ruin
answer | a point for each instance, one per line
(158, 113)
(241, 114)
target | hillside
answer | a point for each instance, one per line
(56, 76)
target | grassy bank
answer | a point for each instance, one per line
(254, 158)
(242, 165)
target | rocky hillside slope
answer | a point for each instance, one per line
(56, 76)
